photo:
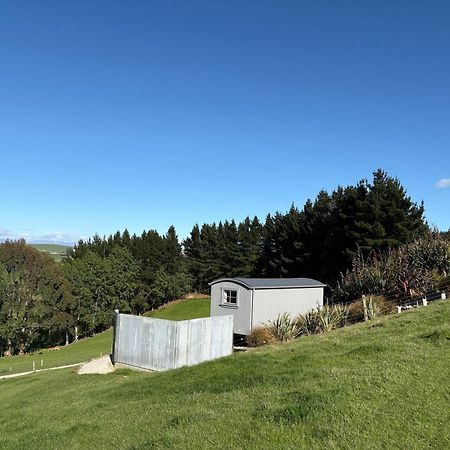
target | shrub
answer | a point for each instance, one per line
(410, 270)
(355, 312)
(259, 336)
(322, 319)
(332, 317)
(283, 328)
(309, 323)
(376, 306)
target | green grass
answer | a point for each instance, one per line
(81, 351)
(377, 385)
(183, 310)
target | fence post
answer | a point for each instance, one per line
(115, 335)
(366, 318)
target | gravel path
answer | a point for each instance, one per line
(100, 366)
(21, 374)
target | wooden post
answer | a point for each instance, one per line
(365, 308)
(115, 325)
(42, 363)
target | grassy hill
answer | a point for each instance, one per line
(183, 310)
(376, 385)
(89, 348)
(56, 251)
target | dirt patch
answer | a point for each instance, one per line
(98, 366)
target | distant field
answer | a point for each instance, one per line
(56, 251)
(382, 384)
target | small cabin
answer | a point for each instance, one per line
(255, 301)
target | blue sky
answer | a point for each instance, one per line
(147, 114)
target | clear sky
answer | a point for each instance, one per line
(146, 114)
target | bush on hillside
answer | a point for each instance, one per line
(332, 316)
(309, 322)
(376, 306)
(411, 270)
(259, 336)
(283, 328)
(322, 319)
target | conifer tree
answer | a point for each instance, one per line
(126, 239)
(193, 251)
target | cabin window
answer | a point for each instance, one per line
(229, 297)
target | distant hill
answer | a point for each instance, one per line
(56, 251)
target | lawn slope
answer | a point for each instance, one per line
(193, 308)
(377, 385)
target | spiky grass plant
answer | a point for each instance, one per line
(332, 316)
(283, 328)
(322, 319)
(309, 323)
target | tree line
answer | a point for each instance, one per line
(319, 241)
(43, 302)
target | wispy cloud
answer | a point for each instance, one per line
(5, 233)
(442, 184)
(56, 236)
(32, 236)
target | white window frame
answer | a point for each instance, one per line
(224, 297)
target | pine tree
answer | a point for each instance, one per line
(249, 241)
(171, 254)
(391, 217)
(193, 251)
(126, 240)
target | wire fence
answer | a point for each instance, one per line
(441, 291)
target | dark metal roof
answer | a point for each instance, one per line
(272, 283)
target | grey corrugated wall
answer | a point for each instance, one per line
(269, 303)
(158, 344)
